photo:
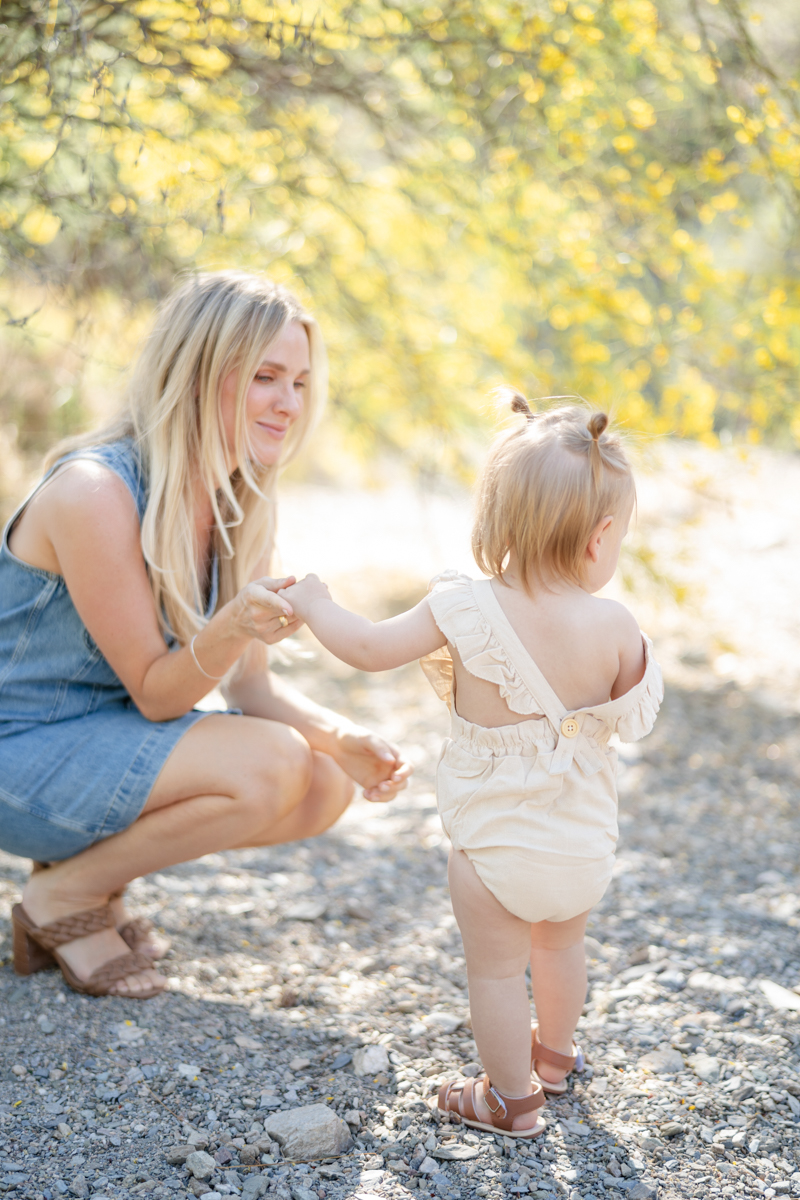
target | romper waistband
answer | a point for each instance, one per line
(534, 736)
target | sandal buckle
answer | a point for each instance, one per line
(500, 1102)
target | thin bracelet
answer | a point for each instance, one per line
(197, 664)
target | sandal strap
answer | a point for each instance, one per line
(467, 1107)
(69, 929)
(508, 1107)
(565, 1062)
(119, 968)
(136, 930)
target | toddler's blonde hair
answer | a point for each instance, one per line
(546, 485)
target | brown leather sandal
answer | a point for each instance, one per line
(36, 947)
(566, 1062)
(458, 1099)
(138, 933)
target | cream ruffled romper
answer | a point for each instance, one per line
(533, 805)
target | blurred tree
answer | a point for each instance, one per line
(596, 196)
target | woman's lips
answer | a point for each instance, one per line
(277, 431)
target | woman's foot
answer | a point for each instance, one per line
(139, 933)
(47, 899)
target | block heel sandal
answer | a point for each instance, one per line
(458, 1099)
(137, 933)
(36, 947)
(566, 1062)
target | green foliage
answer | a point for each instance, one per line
(597, 196)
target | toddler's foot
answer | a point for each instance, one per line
(528, 1120)
(468, 1099)
(550, 1065)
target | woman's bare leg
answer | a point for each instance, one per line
(230, 782)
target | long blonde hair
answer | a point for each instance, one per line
(545, 486)
(212, 324)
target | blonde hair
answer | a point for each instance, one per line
(546, 485)
(212, 324)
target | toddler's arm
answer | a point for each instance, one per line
(364, 644)
(631, 653)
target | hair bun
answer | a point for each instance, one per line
(597, 425)
(520, 405)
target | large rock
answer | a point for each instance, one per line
(313, 1131)
(705, 1067)
(177, 1155)
(254, 1185)
(371, 1060)
(663, 1061)
(201, 1165)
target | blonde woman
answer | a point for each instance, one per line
(132, 579)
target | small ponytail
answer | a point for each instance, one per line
(520, 405)
(597, 425)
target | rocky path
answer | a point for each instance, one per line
(287, 963)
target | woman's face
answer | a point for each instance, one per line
(274, 399)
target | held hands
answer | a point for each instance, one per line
(262, 612)
(301, 596)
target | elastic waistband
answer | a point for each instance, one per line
(535, 735)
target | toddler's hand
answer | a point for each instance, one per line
(303, 594)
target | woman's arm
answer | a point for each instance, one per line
(83, 524)
(376, 764)
(361, 643)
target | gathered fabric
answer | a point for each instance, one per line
(533, 805)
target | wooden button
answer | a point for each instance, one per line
(570, 727)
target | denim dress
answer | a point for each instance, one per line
(77, 758)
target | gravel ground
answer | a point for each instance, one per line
(287, 960)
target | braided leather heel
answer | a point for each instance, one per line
(38, 948)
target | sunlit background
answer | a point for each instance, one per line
(595, 197)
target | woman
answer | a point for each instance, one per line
(133, 578)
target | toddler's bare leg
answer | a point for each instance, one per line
(496, 947)
(558, 979)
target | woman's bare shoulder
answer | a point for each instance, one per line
(80, 498)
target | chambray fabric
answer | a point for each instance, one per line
(77, 758)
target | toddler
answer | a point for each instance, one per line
(538, 673)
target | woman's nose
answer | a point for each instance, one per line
(289, 401)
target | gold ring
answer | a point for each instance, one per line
(284, 621)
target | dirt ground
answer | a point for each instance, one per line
(286, 960)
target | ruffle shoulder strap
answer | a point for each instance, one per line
(457, 614)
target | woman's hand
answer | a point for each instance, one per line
(374, 763)
(258, 611)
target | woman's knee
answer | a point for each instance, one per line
(332, 791)
(279, 772)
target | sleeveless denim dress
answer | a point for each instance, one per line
(77, 758)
